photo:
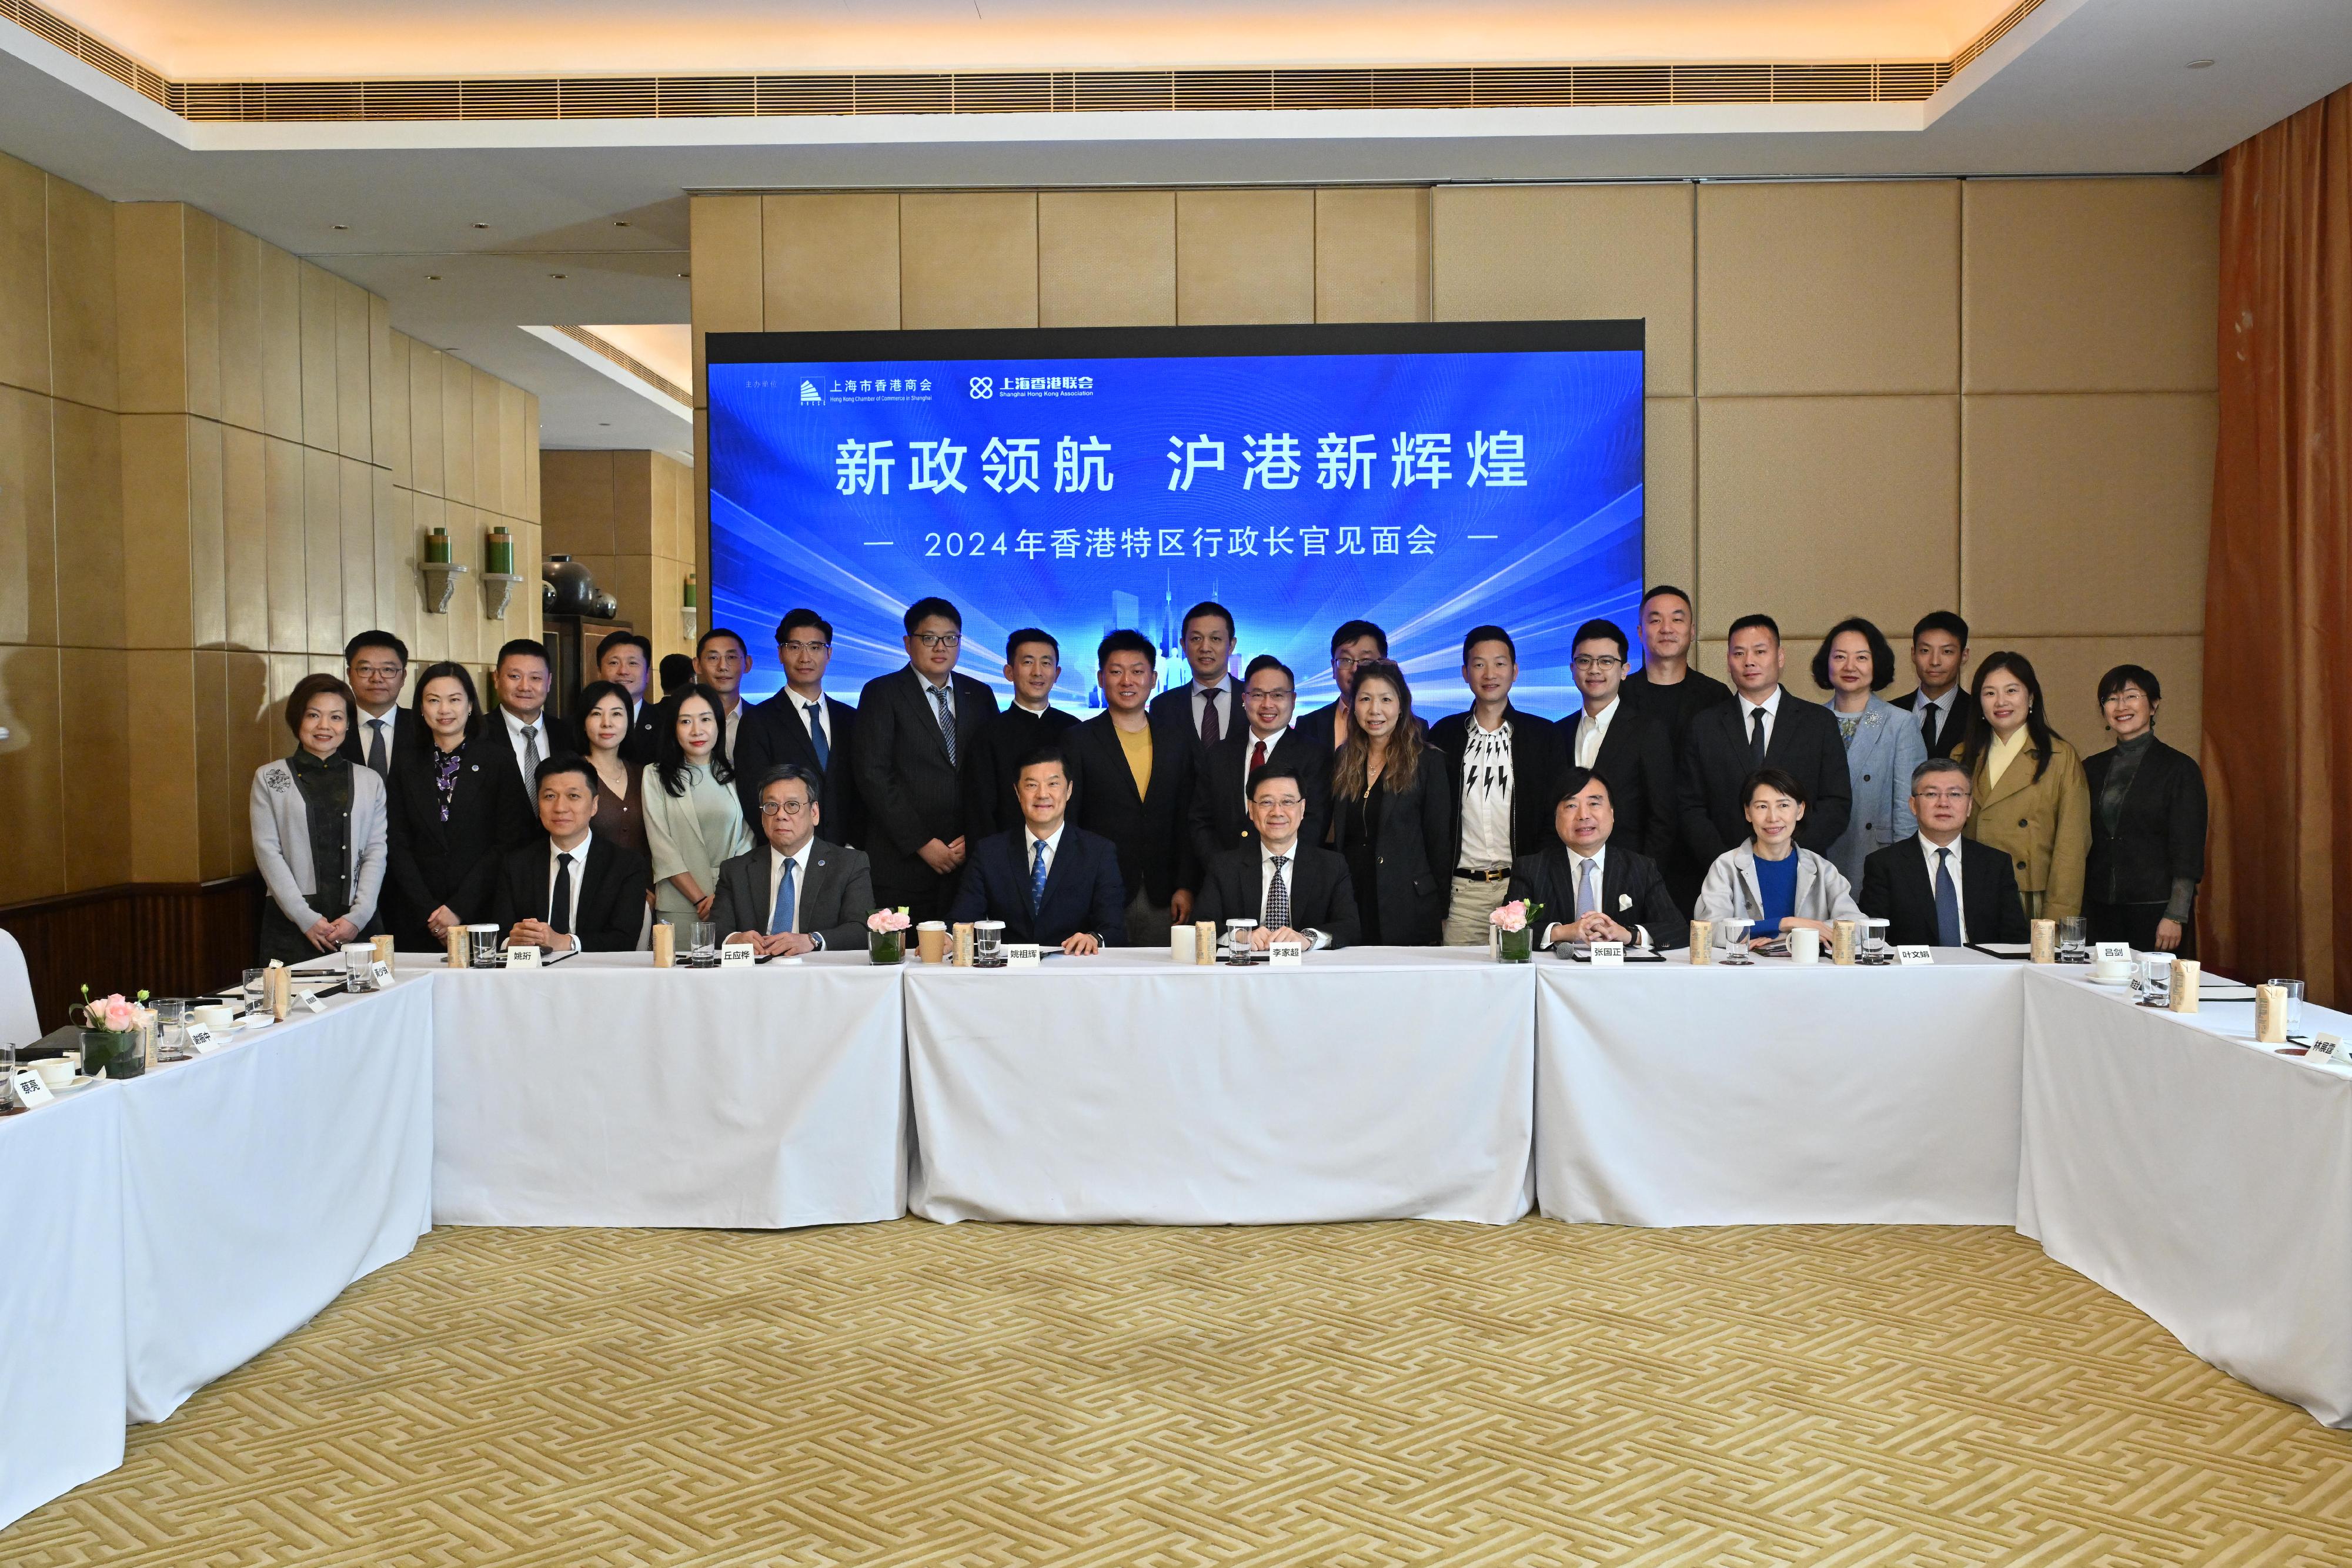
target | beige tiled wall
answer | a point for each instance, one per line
(1867, 397)
(628, 516)
(216, 462)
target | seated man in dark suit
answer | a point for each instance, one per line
(1764, 726)
(1051, 882)
(1295, 891)
(1915, 886)
(1221, 817)
(795, 893)
(571, 890)
(1592, 890)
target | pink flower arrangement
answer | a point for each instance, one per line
(112, 1013)
(888, 920)
(1511, 916)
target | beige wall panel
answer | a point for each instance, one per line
(429, 639)
(513, 446)
(632, 501)
(29, 539)
(254, 736)
(1670, 489)
(157, 590)
(395, 558)
(527, 550)
(1245, 257)
(1811, 509)
(281, 344)
(207, 537)
(425, 438)
(32, 793)
(673, 491)
(577, 504)
(356, 497)
(531, 455)
(489, 473)
(151, 298)
(456, 429)
(2086, 515)
(81, 295)
(89, 555)
(1850, 287)
(24, 275)
(396, 444)
(968, 258)
(289, 545)
(726, 269)
(2069, 669)
(829, 261)
(2092, 285)
(240, 329)
(383, 375)
(220, 806)
(200, 240)
(96, 729)
(322, 530)
(322, 423)
(1107, 258)
(245, 528)
(467, 642)
(159, 697)
(1373, 254)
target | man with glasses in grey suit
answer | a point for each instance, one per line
(795, 893)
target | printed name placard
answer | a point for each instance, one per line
(738, 956)
(1285, 954)
(30, 1091)
(310, 1003)
(2113, 953)
(2329, 1049)
(1908, 954)
(380, 975)
(1021, 955)
(523, 957)
(200, 1038)
(1608, 955)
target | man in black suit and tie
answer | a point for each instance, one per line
(571, 890)
(1295, 891)
(626, 659)
(1622, 744)
(1203, 706)
(795, 893)
(1050, 881)
(1033, 662)
(1502, 763)
(1936, 888)
(1764, 726)
(1592, 889)
(1134, 786)
(801, 726)
(1939, 657)
(1220, 816)
(375, 666)
(721, 660)
(1356, 643)
(914, 726)
(531, 734)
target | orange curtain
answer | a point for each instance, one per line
(2278, 604)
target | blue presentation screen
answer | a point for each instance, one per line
(1426, 477)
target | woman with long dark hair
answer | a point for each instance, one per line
(2147, 825)
(608, 721)
(694, 822)
(453, 814)
(1393, 813)
(2032, 802)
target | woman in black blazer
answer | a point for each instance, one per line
(2147, 825)
(448, 808)
(1392, 814)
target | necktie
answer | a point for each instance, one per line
(531, 758)
(1948, 903)
(376, 758)
(1756, 738)
(816, 737)
(559, 903)
(1588, 741)
(1927, 727)
(1209, 716)
(1038, 875)
(1588, 897)
(782, 920)
(947, 721)
(1277, 898)
(1257, 760)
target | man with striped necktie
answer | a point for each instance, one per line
(1295, 891)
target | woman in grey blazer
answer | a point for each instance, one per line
(317, 831)
(1770, 881)
(1882, 744)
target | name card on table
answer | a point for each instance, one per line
(1909, 954)
(380, 975)
(1285, 954)
(738, 956)
(310, 1003)
(523, 957)
(30, 1091)
(200, 1038)
(1021, 954)
(1608, 955)
(2329, 1049)
(2107, 953)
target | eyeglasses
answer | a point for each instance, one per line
(798, 646)
(940, 639)
(787, 808)
(377, 669)
(1265, 694)
(1289, 803)
(1945, 797)
(1350, 661)
(1597, 661)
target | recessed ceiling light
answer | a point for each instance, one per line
(604, 424)
(620, 223)
(481, 225)
(432, 277)
(685, 274)
(341, 227)
(555, 275)
(2199, 65)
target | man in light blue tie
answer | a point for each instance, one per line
(796, 894)
(1937, 888)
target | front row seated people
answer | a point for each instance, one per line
(1296, 893)
(571, 889)
(1051, 881)
(1592, 891)
(795, 893)
(1770, 881)
(1936, 888)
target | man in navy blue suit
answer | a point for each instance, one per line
(1050, 882)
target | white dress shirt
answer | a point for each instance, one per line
(1486, 788)
(579, 853)
(1273, 744)
(1940, 707)
(369, 730)
(1228, 714)
(1960, 889)
(1592, 731)
(1600, 858)
(514, 738)
(734, 722)
(800, 860)
(1770, 708)
(1052, 842)
(1316, 940)
(808, 720)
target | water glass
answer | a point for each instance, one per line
(2073, 941)
(2294, 990)
(1874, 936)
(257, 991)
(1735, 940)
(705, 938)
(172, 1031)
(2156, 976)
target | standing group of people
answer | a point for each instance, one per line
(1953, 811)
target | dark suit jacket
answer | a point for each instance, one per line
(2161, 834)
(773, 732)
(1805, 745)
(1676, 706)
(558, 739)
(431, 862)
(1152, 830)
(909, 790)
(1895, 888)
(1546, 878)
(1536, 763)
(1322, 897)
(1175, 708)
(1636, 760)
(993, 770)
(834, 898)
(408, 734)
(1956, 722)
(1083, 891)
(1417, 833)
(1219, 816)
(610, 912)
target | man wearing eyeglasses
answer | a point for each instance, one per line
(1936, 888)
(795, 893)
(800, 724)
(1221, 809)
(1355, 644)
(1295, 891)
(1633, 752)
(1503, 762)
(915, 726)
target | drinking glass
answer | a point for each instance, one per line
(172, 1031)
(987, 943)
(482, 947)
(257, 991)
(357, 956)
(1735, 940)
(1873, 938)
(2073, 942)
(705, 938)
(2294, 990)
(2156, 976)
(9, 1106)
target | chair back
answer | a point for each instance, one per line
(19, 1024)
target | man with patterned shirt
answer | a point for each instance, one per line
(1504, 763)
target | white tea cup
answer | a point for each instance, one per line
(57, 1071)
(1805, 945)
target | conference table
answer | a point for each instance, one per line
(170, 1227)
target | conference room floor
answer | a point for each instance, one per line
(910, 1392)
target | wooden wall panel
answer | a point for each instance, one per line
(81, 295)
(355, 496)
(1373, 254)
(456, 430)
(283, 499)
(490, 470)
(281, 344)
(1244, 258)
(353, 375)
(95, 730)
(394, 446)
(729, 295)
(157, 593)
(427, 471)
(207, 536)
(151, 301)
(829, 262)
(29, 587)
(320, 295)
(1107, 258)
(160, 698)
(24, 275)
(968, 258)
(200, 241)
(32, 777)
(1670, 490)
(245, 527)
(90, 547)
(241, 377)
(220, 802)
(322, 532)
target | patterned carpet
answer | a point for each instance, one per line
(1345, 1394)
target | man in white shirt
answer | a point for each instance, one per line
(1205, 704)
(1764, 726)
(1049, 879)
(1622, 743)
(721, 662)
(1503, 765)
(1220, 807)
(1295, 891)
(565, 891)
(375, 665)
(521, 678)
(1936, 888)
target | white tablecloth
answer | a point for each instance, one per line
(2204, 1178)
(1779, 1094)
(604, 1092)
(1373, 1084)
(60, 1298)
